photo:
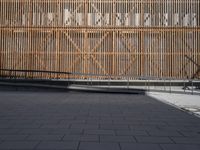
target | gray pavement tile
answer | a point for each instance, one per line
(34, 131)
(131, 132)
(179, 147)
(99, 121)
(72, 121)
(193, 128)
(98, 146)
(186, 140)
(20, 121)
(66, 131)
(107, 138)
(13, 137)
(191, 133)
(55, 126)
(153, 123)
(47, 121)
(61, 116)
(51, 145)
(172, 128)
(153, 140)
(114, 126)
(9, 131)
(45, 137)
(143, 127)
(18, 145)
(5, 125)
(86, 138)
(182, 123)
(164, 133)
(28, 126)
(115, 117)
(99, 132)
(125, 122)
(86, 117)
(84, 126)
(133, 146)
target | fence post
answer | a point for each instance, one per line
(184, 85)
(128, 82)
(192, 88)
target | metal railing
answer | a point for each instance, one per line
(189, 86)
(196, 64)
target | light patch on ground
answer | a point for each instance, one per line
(184, 101)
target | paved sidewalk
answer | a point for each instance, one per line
(186, 102)
(93, 121)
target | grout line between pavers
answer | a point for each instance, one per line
(1, 141)
(135, 139)
(147, 133)
(18, 132)
(62, 138)
(99, 139)
(26, 138)
(159, 145)
(40, 126)
(172, 140)
(37, 145)
(79, 143)
(119, 146)
(181, 133)
(115, 132)
(129, 127)
(70, 126)
(83, 132)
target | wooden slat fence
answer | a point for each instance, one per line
(109, 37)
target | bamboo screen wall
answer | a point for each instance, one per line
(104, 37)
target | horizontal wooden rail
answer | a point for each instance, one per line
(72, 74)
(34, 71)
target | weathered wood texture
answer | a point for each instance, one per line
(105, 37)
